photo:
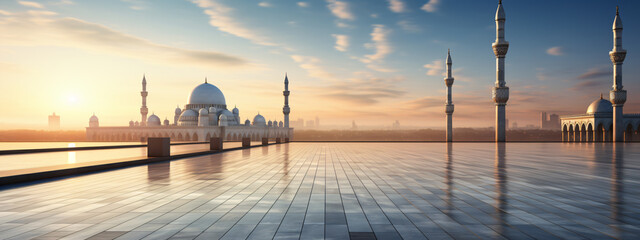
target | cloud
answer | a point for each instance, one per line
(409, 26)
(220, 17)
(435, 68)
(136, 4)
(342, 42)
(555, 51)
(380, 42)
(264, 4)
(63, 2)
(595, 73)
(41, 28)
(431, 6)
(397, 6)
(30, 4)
(303, 4)
(589, 84)
(340, 9)
(312, 66)
(363, 89)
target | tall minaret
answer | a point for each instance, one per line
(617, 95)
(144, 110)
(449, 107)
(500, 91)
(286, 110)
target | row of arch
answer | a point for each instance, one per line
(179, 137)
(582, 132)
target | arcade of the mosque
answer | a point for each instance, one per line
(205, 116)
(605, 120)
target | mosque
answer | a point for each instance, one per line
(604, 120)
(204, 117)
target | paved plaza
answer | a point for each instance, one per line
(346, 191)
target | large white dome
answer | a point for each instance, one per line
(600, 106)
(207, 94)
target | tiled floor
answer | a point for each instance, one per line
(346, 190)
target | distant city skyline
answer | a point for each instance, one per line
(368, 62)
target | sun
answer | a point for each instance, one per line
(72, 99)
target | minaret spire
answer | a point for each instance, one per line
(449, 104)
(144, 110)
(286, 110)
(500, 91)
(617, 95)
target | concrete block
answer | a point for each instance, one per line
(265, 141)
(246, 142)
(286, 140)
(158, 147)
(278, 140)
(215, 144)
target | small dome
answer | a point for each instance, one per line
(247, 122)
(93, 118)
(600, 106)
(207, 94)
(235, 110)
(166, 122)
(281, 124)
(178, 111)
(259, 120)
(213, 110)
(189, 113)
(203, 112)
(227, 113)
(270, 123)
(153, 120)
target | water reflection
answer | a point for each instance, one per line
(71, 156)
(617, 184)
(449, 176)
(159, 173)
(500, 175)
(285, 165)
(265, 150)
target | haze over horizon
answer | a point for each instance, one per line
(372, 62)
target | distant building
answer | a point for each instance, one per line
(317, 122)
(205, 116)
(549, 121)
(54, 122)
(515, 125)
(353, 125)
(396, 124)
(506, 122)
(604, 120)
(310, 124)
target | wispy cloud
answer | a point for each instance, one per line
(303, 4)
(379, 42)
(342, 42)
(38, 28)
(409, 26)
(340, 9)
(65, 2)
(431, 6)
(555, 51)
(31, 4)
(363, 89)
(264, 4)
(137, 4)
(435, 68)
(595, 73)
(312, 66)
(397, 6)
(220, 17)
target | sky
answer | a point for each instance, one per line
(369, 61)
